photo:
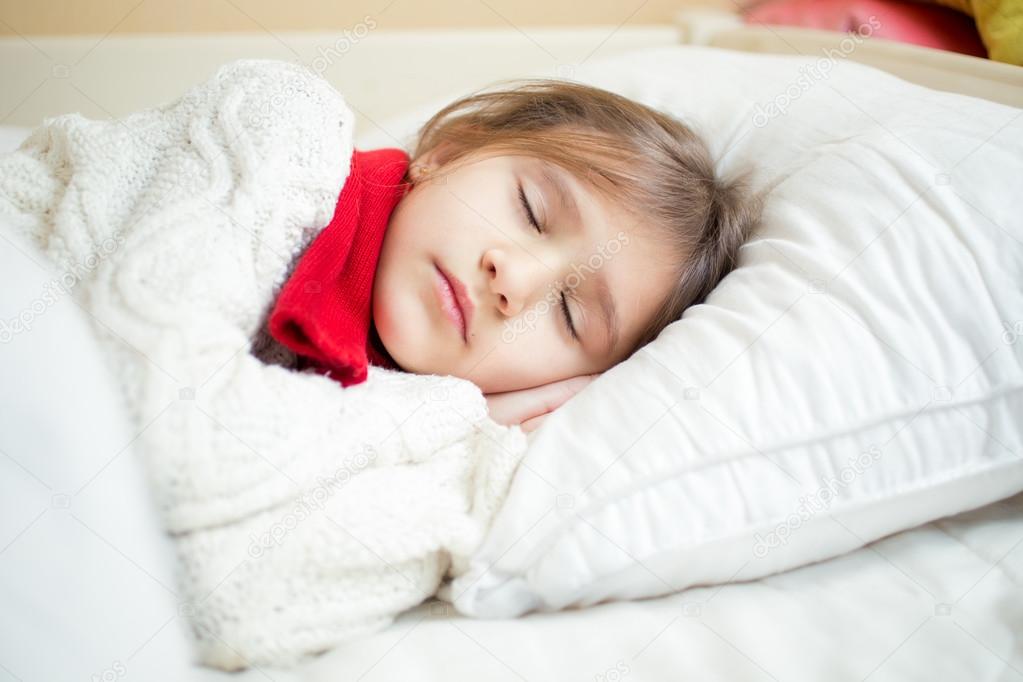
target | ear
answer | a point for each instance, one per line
(436, 157)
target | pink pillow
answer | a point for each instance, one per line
(909, 22)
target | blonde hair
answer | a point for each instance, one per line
(655, 165)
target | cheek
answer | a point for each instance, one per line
(401, 318)
(526, 354)
(402, 230)
(421, 212)
(405, 248)
(385, 306)
(394, 287)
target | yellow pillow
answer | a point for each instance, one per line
(1000, 23)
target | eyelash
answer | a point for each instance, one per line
(528, 211)
(568, 318)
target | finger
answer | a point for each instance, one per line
(533, 423)
(508, 408)
(559, 392)
(513, 407)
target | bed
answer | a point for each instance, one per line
(943, 600)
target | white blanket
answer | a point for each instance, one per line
(304, 513)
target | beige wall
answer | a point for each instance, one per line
(64, 17)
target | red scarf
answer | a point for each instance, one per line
(324, 310)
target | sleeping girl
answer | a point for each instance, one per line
(331, 356)
(541, 234)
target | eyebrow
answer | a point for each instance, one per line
(606, 302)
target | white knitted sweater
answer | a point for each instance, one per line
(304, 513)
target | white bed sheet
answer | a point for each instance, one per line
(943, 601)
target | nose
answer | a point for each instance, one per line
(512, 278)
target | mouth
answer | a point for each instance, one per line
(455, 301)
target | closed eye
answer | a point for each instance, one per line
(568, 317)
(531, 218)
(528, 210)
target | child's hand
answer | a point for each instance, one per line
(529, 406)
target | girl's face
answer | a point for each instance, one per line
(472, 225)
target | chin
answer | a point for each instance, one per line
(386, 331)
(405, 363)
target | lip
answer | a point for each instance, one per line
(462, 316)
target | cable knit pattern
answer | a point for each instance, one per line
(304, 513)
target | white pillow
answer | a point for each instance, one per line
(858, 374)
